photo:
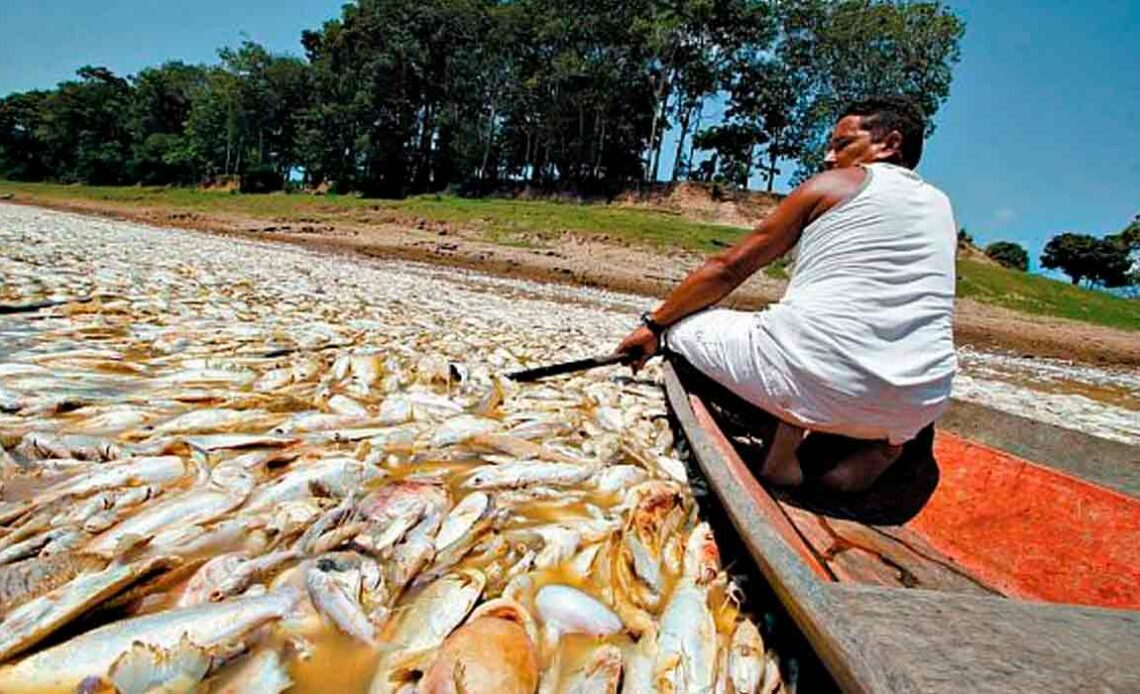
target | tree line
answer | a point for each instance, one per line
(1110, 262)
(398, 97)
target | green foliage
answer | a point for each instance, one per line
(847, 50)
(397, 97)
(1103, 262)
(1009, 255)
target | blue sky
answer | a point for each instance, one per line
(1039, 135)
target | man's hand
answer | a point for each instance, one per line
(640, 345)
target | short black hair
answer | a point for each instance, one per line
(882, 114)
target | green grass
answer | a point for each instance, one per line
(1020, 291)
(531, 223)
(515, 222)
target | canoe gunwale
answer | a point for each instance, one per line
(862, 634)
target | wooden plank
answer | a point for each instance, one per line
(875, 639)
(1109, 463)
(795, 584)
(930, 572)
(760, 497)
(859, 553)
(919, 641)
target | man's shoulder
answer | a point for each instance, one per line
(836, 182)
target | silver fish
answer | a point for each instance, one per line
(93, 653)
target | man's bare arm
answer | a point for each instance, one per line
(724, 272)
(770, 240)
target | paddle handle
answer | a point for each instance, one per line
(570, 367)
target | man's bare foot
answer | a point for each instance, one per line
(781, 467)
(858, 471)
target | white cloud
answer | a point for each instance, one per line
(1004, 215)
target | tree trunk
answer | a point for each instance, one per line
(601, 148)
(772, 149)
(423, 164)
(657, 148)
(686, 116)
(660, 96)
(487, 146)
(696, 129)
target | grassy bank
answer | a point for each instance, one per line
(1027, 293)
(529, 222)
(502, 220)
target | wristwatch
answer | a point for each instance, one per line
(654, 327)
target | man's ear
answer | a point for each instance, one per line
(892, 147)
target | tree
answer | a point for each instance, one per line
(1008, 254)
(162, 151)
(84, 128)
(850, 49)
(1103, 262)
(23, 155)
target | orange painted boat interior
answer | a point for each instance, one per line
(993, 524)
(1030, 531)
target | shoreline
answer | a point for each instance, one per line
(585, 261)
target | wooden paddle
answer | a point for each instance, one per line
(567, 367)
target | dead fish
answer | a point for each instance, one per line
(527, 473)
(145, 668)
(200, 588)
(32, 578)
(342, 606)
(746, 658)
(189, 508)
(686, 644)
(640, 659)
(37, 619)
(93, 653)
(462, 518)
(336, 475)
(424, 622)
(112, 421)
(600, 673)
(568, 610)
(618, 478)
(260, 673)
(207, 421)
(702, 558)
(133, 471)
(461, 428)
(39, 445)
(492, 654)
(216, 442)
(322, 421)
(344, 405)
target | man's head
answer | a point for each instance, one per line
(889, 129)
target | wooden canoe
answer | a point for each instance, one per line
(1010, 575)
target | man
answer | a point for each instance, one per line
(860, 345)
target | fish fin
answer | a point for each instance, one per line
(404, 663)
(148, 668)
(129, 547)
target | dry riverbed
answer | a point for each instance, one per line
(243, 464)
(299, 452)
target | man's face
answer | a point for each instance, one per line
(852, 145)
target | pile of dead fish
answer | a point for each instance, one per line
(217, 477)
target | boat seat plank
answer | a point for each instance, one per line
(921, 641)
(853, 551)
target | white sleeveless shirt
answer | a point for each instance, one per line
(862, 336)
